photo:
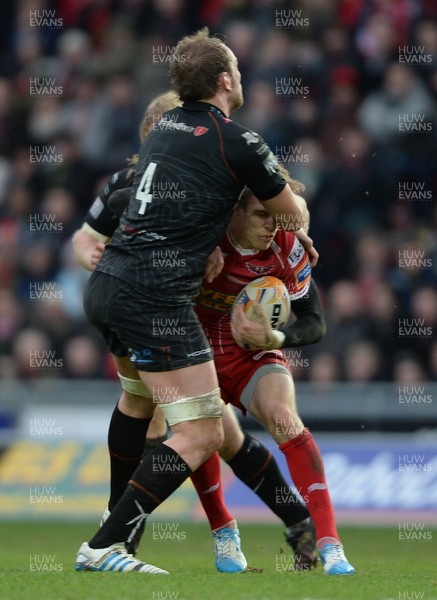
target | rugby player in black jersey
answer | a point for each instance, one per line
(250, 461)
(127, 429)
(198, 152)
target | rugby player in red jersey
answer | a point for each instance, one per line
(259, 381)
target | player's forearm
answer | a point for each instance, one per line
(87, 249)
(309, 329)
(305, 212)
(310, 325)
(286, 209)
(82, 249)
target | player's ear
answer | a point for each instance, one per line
(226, 81)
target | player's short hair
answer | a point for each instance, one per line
(197, 62)
(296, 188)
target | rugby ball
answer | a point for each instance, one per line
(271, 294)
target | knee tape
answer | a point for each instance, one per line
(193, 408)
(134, 386)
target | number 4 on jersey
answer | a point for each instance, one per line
(143, 192)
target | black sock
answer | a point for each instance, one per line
(152, 443)
(158, 476)
(257, 468)
(126, 444)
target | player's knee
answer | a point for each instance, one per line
(158, 425)
(231, 445)
(286, 421)
(199, 439)
(214, 439)
(227, 452)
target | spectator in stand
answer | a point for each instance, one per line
(348, 149)
(402, 93)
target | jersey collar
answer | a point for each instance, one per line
(197, 106)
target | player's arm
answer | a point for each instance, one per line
(305, 212)
(280, 207)
(214, 264)
(308, 328)
(256, 166)
(88, 246)
(99, 224)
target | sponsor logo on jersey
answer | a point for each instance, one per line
(215, 300)
(259, 269)
(296, 253)
(140, 356)
(303, 273)
(250, 137)
(200, 130)
(167, 124)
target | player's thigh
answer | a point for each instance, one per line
(234, 437)
(274, 399)
(136, 399)
(169, 386)
(124, 367)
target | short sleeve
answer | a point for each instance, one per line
(297, 270)
(254, 163)
(99, 216)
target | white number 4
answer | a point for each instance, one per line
(143, 191)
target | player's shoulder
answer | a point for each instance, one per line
(290, 248)
(236, 131)
(297, 266)
(284, 240)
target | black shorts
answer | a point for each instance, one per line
(156, 338)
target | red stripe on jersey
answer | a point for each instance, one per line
(222, 147)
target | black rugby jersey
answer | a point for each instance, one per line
(192, 168)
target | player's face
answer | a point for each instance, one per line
(253, 227)
(236, 98)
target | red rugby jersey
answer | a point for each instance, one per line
(286, 259)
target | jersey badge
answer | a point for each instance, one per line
(200, 131)
(259, 269)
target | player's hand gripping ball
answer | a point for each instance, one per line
(265, 300)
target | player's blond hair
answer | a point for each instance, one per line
(154, 111)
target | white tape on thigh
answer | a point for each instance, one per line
(134, 386)
(193, 408)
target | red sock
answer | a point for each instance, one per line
(206, 479)
(305, 465)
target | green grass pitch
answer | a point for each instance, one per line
(36, 562)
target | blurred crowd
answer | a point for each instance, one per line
(344, 92)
